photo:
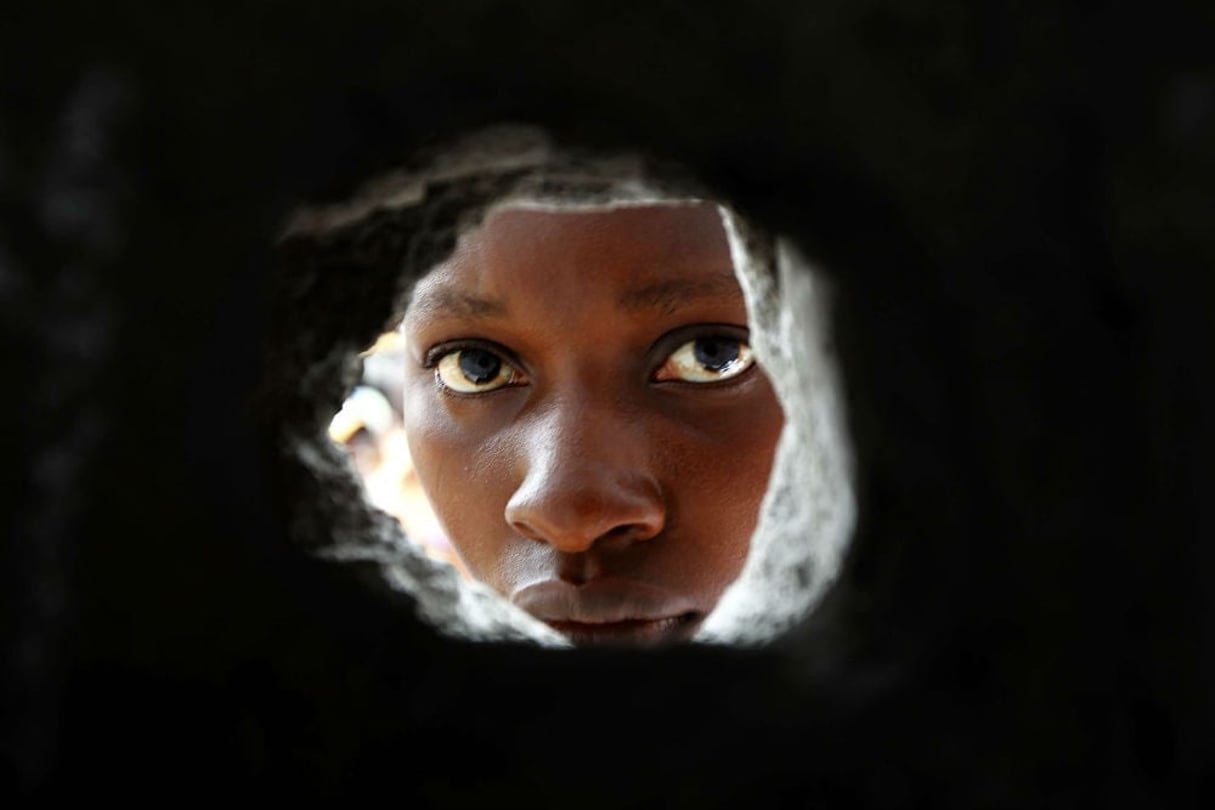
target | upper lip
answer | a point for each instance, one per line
(600, 602)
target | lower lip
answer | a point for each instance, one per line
(635, 632)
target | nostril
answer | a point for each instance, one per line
(621, 532)
(625, 535)
(575, 533)
(525, 529)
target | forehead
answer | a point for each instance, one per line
(630, 254)
(652, 231)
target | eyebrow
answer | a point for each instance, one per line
(665, 295)
(668, 294)
(463, 305)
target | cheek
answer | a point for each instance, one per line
(721, 477)
(443, 448)
(466, 482)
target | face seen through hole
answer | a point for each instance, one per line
(586, 418)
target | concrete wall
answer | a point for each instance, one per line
(1011, 205)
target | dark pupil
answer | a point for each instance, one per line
(715, 354)
(479, 366)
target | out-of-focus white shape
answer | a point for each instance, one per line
(364, 408)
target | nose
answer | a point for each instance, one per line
(589, 482)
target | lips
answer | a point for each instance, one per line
(611, 611)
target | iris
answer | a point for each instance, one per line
(479, 366)
(716, 353)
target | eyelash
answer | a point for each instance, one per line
(686, 360)
(670, 346)
(436, 357)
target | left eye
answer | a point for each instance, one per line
(475, 371)
(706, 360)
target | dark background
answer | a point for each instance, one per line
(1015, 201)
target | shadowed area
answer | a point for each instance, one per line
(1013, 204)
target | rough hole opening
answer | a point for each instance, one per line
(560, 398)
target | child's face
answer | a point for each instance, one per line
(583, 413)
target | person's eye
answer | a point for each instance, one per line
(708, 359)
(473, 370)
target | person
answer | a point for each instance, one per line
(585, 414)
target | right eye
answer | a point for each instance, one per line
(476, 371)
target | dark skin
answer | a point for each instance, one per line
(586, 418)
